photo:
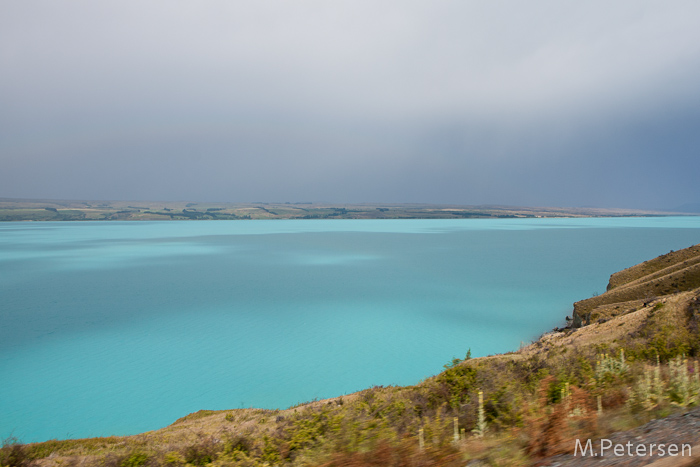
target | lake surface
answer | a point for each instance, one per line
(123, 327)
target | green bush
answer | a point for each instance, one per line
(135, 459)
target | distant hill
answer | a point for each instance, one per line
(689, 208)
(91, 210)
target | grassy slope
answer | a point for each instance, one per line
(673, 272)
(536, 400)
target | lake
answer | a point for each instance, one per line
(113, 328)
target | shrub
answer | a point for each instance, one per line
(13, 453)
(135, 459)
(201, 453)
(683, 389)
(459, 381)
(608, 367)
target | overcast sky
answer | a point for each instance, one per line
(544, 103)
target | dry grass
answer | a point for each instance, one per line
(671, 273)
(653, 266)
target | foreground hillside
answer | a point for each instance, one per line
(635, 361)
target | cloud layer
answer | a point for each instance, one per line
(546, 102)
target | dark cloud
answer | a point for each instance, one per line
(548, 103)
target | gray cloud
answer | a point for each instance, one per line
(543, 102)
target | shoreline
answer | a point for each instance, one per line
(69, 210)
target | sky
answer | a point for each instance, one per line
(538, 103)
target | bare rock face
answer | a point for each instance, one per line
(580, 321)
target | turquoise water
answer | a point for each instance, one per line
(123, 327)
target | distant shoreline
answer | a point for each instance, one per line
(13, 210)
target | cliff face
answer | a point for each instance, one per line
(677, 271)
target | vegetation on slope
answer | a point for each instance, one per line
(637, 363)
(674, 272)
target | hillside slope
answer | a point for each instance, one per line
(677, 271)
